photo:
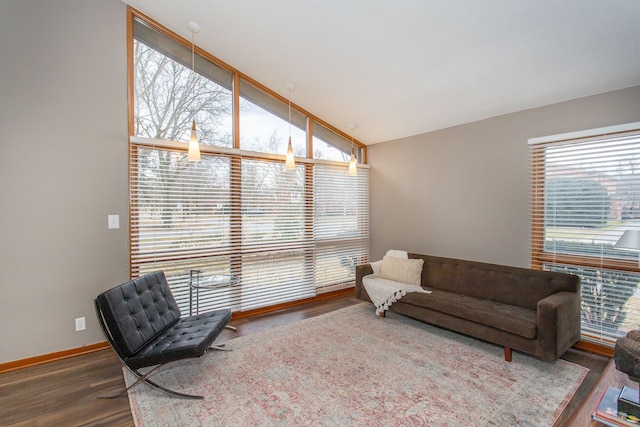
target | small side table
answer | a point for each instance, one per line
(216, 281)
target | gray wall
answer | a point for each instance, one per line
(63, 169)
(463, 192)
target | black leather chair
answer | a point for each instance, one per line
(141, 320)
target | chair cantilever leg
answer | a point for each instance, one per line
(172, 392)
(142, 378)
(219, 347)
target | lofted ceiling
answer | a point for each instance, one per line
(403, 67)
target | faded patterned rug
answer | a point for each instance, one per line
(352, 368)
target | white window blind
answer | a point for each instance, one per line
(283, 234)
(276, 249)
(341, 224)
(585, 192)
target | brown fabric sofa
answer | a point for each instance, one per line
(532, 311)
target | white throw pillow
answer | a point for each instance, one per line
(402, 270)
(398, 253)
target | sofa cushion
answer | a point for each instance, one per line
(508, 318)
(189, 337)
(401, 270)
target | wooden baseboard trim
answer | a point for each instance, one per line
(591, 347)
(272, 308)
(38, 360)
(50, 357)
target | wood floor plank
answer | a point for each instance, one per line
(65, 392)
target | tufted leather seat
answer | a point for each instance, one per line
(142, 322)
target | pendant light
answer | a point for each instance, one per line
(193, 155)
(353, 171)
(290, 163)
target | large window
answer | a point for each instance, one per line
(585, 192)
(287, 235)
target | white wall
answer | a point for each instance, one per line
(463, 192)
(63, 169)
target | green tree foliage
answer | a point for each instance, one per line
(576, 202)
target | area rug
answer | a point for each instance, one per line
(352, 368)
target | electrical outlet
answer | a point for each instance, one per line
(80, 325)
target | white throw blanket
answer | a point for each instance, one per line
(384, 292)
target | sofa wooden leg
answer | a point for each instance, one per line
(507, 354)
(382, 314)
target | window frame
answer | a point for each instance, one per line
(237, 156)
(133, 14)
(539, 256)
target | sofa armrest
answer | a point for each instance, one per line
(558, 318)
(361, 271)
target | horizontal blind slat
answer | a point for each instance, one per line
(584, 193)
(282, 234)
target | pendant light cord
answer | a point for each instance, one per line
(193, 51)
(289, 113)
(193, 153)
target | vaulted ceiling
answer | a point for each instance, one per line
(403, 67)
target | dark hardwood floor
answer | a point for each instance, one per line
(65, 392)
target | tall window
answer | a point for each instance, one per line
(585, 192)
(286, 235)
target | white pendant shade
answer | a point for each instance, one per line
(353, 171)
(290, 163)
(193, 155)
